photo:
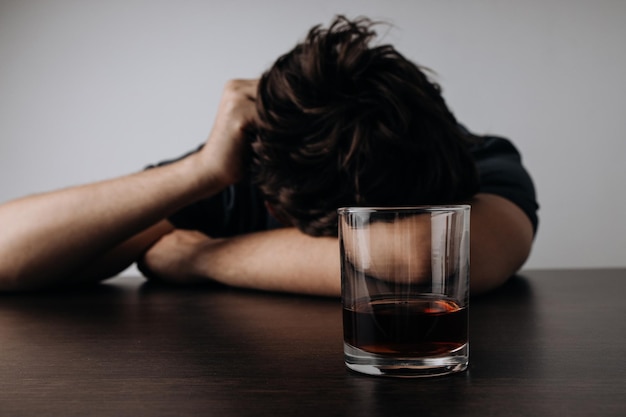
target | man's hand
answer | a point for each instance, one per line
(226, 152)
(172, 258)
(284, 260)
(91, 232)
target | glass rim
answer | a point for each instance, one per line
(388, 209)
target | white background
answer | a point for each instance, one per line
(96, 89)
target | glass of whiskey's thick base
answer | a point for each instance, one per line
(405, 367)
(405, 289)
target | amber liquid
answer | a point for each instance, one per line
(418, 327)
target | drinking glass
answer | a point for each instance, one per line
(405, 289)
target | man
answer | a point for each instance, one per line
(335, 122)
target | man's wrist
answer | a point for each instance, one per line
(205, 177)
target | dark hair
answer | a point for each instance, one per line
(343, 123)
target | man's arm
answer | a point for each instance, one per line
(501, 238)
(91, 232)
(288, 261)
(283, 260)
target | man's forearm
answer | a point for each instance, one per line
(283, 260)
(287, 260)
(63, 236)
(49, 238)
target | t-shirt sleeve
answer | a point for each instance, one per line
(237, 209)
(501, 172)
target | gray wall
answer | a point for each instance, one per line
(95, 89)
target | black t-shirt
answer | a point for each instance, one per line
(240, 209)
(502, 173)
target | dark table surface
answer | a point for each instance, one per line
(549, 343)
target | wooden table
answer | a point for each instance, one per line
(549, 343)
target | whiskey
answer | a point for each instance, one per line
(418, 327)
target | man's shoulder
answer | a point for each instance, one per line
(490, 146)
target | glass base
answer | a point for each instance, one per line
(383, 365)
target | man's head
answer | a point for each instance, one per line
(344, 123)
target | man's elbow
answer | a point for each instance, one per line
(502, 238)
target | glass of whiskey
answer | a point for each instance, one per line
(405, 289)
